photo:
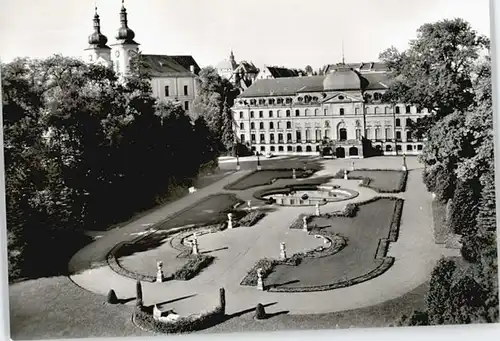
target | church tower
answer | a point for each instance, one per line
(98, 51)
(125, 46)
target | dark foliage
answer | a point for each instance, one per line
(111, 297)
(193, 267)
(260, 312)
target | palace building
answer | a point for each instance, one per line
(173, 78)
(342, 109)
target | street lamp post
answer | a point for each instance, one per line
(258, 161)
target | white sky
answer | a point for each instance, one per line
(292, 33)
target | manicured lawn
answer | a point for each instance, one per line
(381, 315)
(209, 210)
(262, 178)
(53, 308)
(386, 181)
(371, 223)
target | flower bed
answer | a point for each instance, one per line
(251, 218)
(193, 267)
(143, 318)
(267, 265)
(387, 262)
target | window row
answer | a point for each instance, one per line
(167, 90)
(288, 125)
(315, 112)
(388, 148)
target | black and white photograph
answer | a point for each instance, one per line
(206, 167)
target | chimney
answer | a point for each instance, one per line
(191, 68)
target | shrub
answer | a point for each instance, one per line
(193, 267)
(396, 220)
(267, 266)
(112, 298)
(260, 312)
(138, 289)
(439, 294)
(464, 209)
(383, 246)
(417, 318)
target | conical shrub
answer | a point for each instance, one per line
(138, 289)
(112, 298)
(260, 312)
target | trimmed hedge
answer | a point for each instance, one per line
(193, 267)
(386, 263)
(382, 248)
(365, 181)
(396, 221)
(267, 265)
(143, 317)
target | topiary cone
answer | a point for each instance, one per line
(112, 298)
(222, 294)
(260, 312)
(138, 289)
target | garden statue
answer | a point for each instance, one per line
(318, 213)
(304, 223)
(238, 167)
(159, 271)
(260, 282)
(283, 251)
(294, 176)
(352, 166)
(404, 162)
(194, 244)
(345, 174)
(249, 204)
(229, 220)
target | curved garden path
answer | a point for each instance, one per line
(415, 253)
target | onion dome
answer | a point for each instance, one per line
(97, 39)
(344, 78)
(125, 35)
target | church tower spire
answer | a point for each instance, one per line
(98, 50)
(125, 47)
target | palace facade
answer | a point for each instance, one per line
(342, 109)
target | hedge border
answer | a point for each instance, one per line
(144, 320)
(267, 265)
(365, 181)
(114, 264)
(300, 174)
(381, 253)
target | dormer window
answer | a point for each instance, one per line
(341, 97)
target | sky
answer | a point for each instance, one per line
(291, 33)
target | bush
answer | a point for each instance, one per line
(138, 289)
(193, 267)
(464, 209)
(267, 266)
(439, 294)
(260, 312)
(417, 318)
(396, 221)
(112, 298)
(383, 247)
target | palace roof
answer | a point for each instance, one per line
(346, 79)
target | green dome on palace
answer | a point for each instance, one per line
(343, 79)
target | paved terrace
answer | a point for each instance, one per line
(415, 254)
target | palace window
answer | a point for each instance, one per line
(375, 110)
(251, 114)
(316, 112)
(398, 135)
(270, 113)
(356, 111)
(306, 112)
(288, 125)
(341, 111)
(261, 114)
(242, 138)
(408, 109)
(325, 112)
(242, 126)
(408, 121)
(288, 113)
(388, 134)
(408, 135)
(241, 114)
(397, 110)
(271, 125)
(167, 91)
(289, 137)
(279, 125)
(262, 139)
(185, 90)
(409, 147)
(297, 112)
(420, 147)
(278, 113)
(252, 125)
(398, 122)
(298, 136)
(261, 125)
(252, 138)
(358, 134)
(186, 105)
(271, 138)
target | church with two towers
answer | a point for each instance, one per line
(173, 77)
